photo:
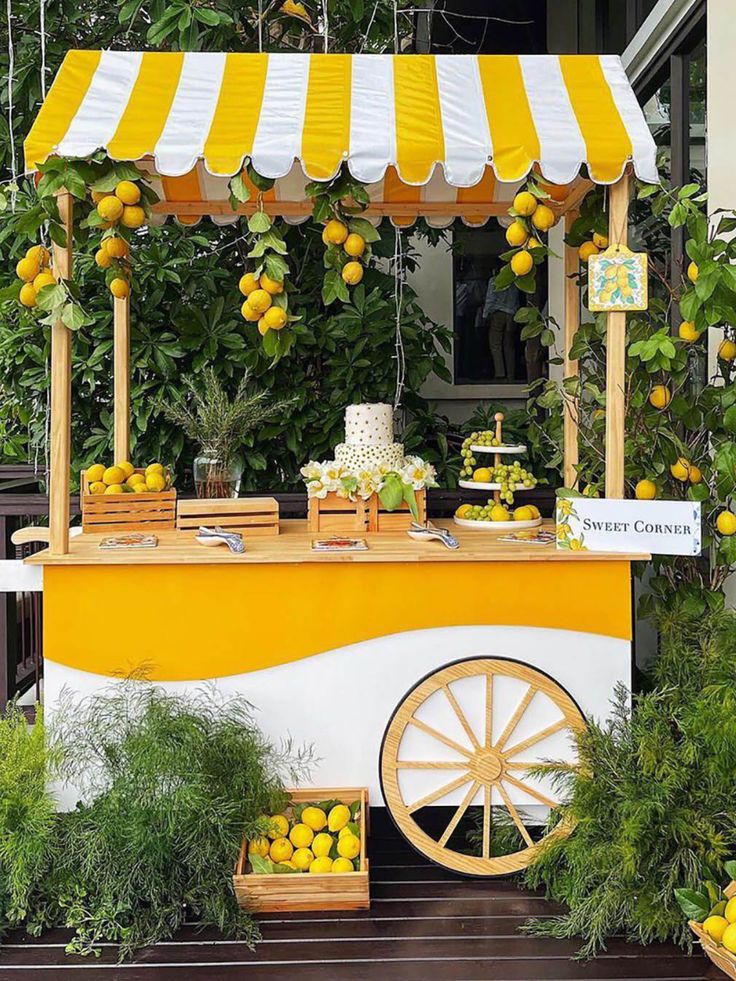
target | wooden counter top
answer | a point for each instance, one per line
(293, 546)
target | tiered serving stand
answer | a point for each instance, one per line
(498, 452)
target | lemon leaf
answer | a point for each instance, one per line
(259, 222)
(261, 866)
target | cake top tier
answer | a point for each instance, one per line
(369, 424)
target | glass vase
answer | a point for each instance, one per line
(215, 478)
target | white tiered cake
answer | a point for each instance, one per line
(369, 439)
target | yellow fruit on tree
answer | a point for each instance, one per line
(726, 525)
(39, 254)
(155, 482)
(116, 247)
(695, 474)
(342, 865)
(354, 245)
(248, 283)
(281, 849)
(522, 263)
(687, 331)
(27, 269)
(302, 858)
(322, 844)
(464, 511)
(516, 234)
(523, 513)
(133, 216)
(680, 470)
(325, 239)
(727, 350)
(95, 472)
(263, 327)
(645, 490)
(128, 192)
(115, 489)
(113, 475)
(586, 250)
(259, 846)
(314, 817)
(525, 204)
(338, 817)
(600, 241)
(693, 272)
(259, 300)
(272, 286)
(335, 232)
(730, 910)
(136, 478)
(97, 196)
(729, 938)
(500, 513)
(27, 295)
(660, 397)
(110, 208)
(275, 318)
(119, 287)
(348, 846)
(44, 278)
(534, 243)
(97, 487)
(279, 826)
(301, 835)
(352, 273)
(715, 927)
(102, 259)
(321, 864)
(482, 475)
(543, 218)
(249, 313)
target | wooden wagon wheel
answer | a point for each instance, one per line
(484, 762)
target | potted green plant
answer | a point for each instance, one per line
(218, 423)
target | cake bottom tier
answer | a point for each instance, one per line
(357, 458)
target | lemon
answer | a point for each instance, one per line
(516, 234)
(110, 208)
(154, 468)
(680, 469)
(345, 831)
(693, 272)
(335, 232)
(116, 248)
(102, 259)
(695, 474)
(726, 525)
(322, 844)
(139, 488)
(600, 241)
(464, 511)
(727, 350)
(348, 846)
(302, 858)
(128, 192)
(281, 849)
(263, 327)
(522, 263)
(126, 467)
(27, 295)
(352, 273)
(525, 204)
(586, 250)
(134, 479)
(289, 864)
(729, 938)
(715, 927)
(155, 482)
(27, 269)
(279, 826)
(39, 254)
(115, 489)
(543, 218)
(301, 836)
(249, 313)
(259, 300)
(730, 910)
(325, 239)
(687, 331)
(95, 472)
(535, 511)
(248, 283)
(523, 514)
(272, 286)
(97, 487)
(660, 397)
(314, 817)
(133, 216)
(500, 513)
(119, 288)
(342, 865)
(113, 475)
(321, 864)
(482, 475)
(44, 278)
(645, 490)
(258, 846)
(534, 243)
(354, 245)
(97, 196)
(275, 318)
(575, 544)
(338, 817)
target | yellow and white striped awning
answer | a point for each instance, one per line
(424, 128)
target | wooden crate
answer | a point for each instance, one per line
(108, 513)
(305, 891)
(721, 957)
(251, 516)
(337, 515)
(379, 519)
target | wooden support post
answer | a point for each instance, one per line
(121, 378)
(618, 227)
(61, 397)
(570, 367)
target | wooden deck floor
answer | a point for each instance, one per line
(424, 924)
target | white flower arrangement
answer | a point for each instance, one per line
(392, 486)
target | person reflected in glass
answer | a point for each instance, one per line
(499, 309)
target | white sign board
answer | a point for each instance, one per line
(607, 525)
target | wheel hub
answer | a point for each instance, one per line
(486, 766)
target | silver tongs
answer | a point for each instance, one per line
(430, 531)
(232, 539)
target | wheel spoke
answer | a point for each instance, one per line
(489, 711)
(462, 808)
(431, 765)
(440, 793)
(516, 717)
(439, 736)
(461, 716)
(487, 821)
(531, 791)
(537, 738)
(514, 814)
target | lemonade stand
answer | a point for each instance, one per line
(435, 678)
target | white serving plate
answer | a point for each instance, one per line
(497, 526)
(209, 541)
(499, 449)
(476, 485)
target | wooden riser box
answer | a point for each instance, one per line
(250, 516)
(337, 516)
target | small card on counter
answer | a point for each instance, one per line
(131, 540)
(531, 537)
(338, 544)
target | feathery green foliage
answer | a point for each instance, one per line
(654, 798)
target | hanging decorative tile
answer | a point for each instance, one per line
(617, 281)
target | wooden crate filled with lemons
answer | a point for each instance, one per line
(122, 497)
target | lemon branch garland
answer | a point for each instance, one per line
(533, 218)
